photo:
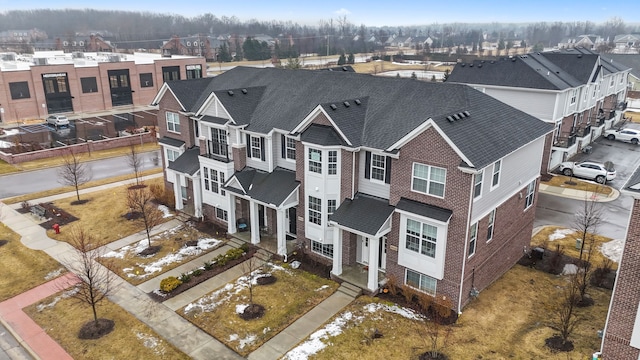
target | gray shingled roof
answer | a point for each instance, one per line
(364, 213)
(170, 141)
(187, 162)
(270, 188)
(189, 90)
(626, 61)
(349, 116)
(633, 183)
(321, 135)
(214, 119)
(391, 108)
(426, 210)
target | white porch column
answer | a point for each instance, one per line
(231, 214)
(281, 231)
(177, 192)
(374, 254)
(337, 252)
(255, 222)
(197, 196)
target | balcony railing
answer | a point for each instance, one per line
(565, 141)
(218, 151)
(583, 130)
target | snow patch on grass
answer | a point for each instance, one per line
(560, 234)
(613, 249)
(64, 295)
(242, 342)
(54, 274)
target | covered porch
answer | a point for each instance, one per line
(185, 171)
(360, 249)
(262, 208)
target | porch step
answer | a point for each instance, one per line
(263, 255)
(183, 217)
(350, 289)
(236, 243)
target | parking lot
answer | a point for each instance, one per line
(38, 136)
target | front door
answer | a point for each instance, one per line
(292, 220)
(56, 93)
(362, 250)
(120, 86)
(382, 258)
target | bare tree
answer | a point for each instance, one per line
(587, 220)
(253, 310)
(140, 200)
(97, 280)
(73, 172)
(135, 161)
(431, 327)
(563, 313)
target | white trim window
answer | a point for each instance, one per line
(219, 144)
(256, 147)
(491, 224)
(495, 178)
(428, 180)
(213, 181)
(315, 210)
(332, 166)
(421, 238)
(331, 207)
(378, 163)
(325, 250)
(477, 184)
(421, 282)
(528, 201)
(315, 161)
(221, 214)
(574, 94)
(473, 238)
(172, 155)
(173, 122)
(290, 148)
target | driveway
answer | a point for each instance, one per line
(553, 210)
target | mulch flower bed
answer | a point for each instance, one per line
(311, 265)
(203, 275)
(53, 214)
(401, 301)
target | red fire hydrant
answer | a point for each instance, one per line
(56, 228)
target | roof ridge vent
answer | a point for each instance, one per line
(333, 106)
(457, 116)
(466, 113)
(357, 101)
(230, 92)
(244, 91)
(450, 118)
(346, 104)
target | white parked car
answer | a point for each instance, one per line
(628, 135)
(589, 170)
(58, 120)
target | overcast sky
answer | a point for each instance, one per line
(370, 13)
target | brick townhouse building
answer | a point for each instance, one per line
(432, 184)
(52, 82)
(577, 90)
(621, 338)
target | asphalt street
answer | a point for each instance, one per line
(25, 182)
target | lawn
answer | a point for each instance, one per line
(103, 216)
(508, 320)
(62, 317)
(293, 294)
(178, 246)
(561, 181)
(22, 268)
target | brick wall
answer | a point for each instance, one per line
(87, 147)
(168, 103)
(346, 175)
(546, 154)
(626, 296)
(239, 158)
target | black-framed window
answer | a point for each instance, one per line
(170, 73)
(89, 84)
(194, 71)
(146, 80)
(19, 90)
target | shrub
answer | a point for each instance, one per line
(185, 278)
(197, 272)
(169, 284)
(25, 205)
(208, 265)
(233, 254)
(163, 195)
(244, 247)
(408, 292)
(392, 285)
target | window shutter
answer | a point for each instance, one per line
(248, 145)
(283, 146)
(367, 165)
(387, 170)
(262, 149)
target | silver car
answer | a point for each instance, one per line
(628, 135)
(58, 120)
(589, 170)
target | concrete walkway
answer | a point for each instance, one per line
(161, 317)
(579, 194)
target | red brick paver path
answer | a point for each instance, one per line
(27, 330)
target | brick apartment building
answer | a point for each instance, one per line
(621, 338)
(432, 184)
(35, 86)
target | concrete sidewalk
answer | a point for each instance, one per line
(579, 194)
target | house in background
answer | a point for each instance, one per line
(432, 184)
(590, 42)
(627, 44)
(198, 45)
(578, 91)
(621, 339)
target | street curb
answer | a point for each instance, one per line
(19, 339)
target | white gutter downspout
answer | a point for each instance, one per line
(353, 174)
(464, 255)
